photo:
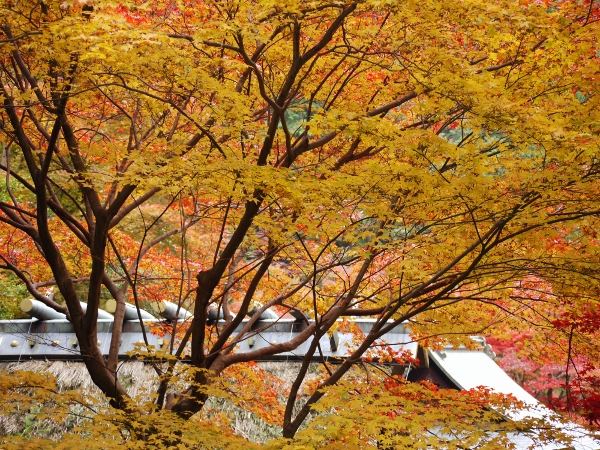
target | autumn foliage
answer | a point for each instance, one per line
(422, 161)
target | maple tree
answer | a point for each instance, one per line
(409, 161)
(554, 356)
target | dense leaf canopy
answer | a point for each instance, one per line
(423, 161)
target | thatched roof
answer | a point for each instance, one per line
(140, 379)
(74, 375)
